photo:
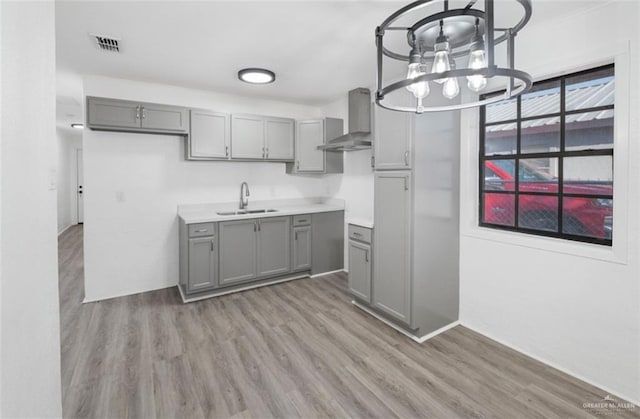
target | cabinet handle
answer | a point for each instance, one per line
(258, 225)
(143, 114)
(296, 235)
(406, 158)
(226, 151)
(267, 152)
(355, 233)
(298, 165)
(373, 161)
(366, 256)
(406, 183)
(302, 221)
(254, 226)
(263, 152)
(203, 230)
(137, 112)
(212, 245)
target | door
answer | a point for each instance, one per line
(113, 113)
(392, 244)
(202, 264)
(360, 270)
(163, 117)
(80, 185)
(279, 141)
(238, 249)
(273, 246)
(209, 135)
(301, 248)
(392, 137)
(310, 134)
(247, 137)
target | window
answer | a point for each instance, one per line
(546, 159)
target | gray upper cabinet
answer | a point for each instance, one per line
(203, 264)
(123, 115)
(392, 132)
(247, 137)
(209, 135)
(360, 270)
(309, 135)
(279, 138)
(392, 250)
(274, 246)
(301, 248)
(238, 251)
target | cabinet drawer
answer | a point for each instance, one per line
(202, 229)
(359, 233)
(301, 220)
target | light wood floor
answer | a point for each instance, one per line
(297, 349)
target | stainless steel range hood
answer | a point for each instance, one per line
(359, 136)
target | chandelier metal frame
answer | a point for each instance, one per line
(421, 33)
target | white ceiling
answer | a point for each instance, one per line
(319, 50)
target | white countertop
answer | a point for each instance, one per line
(203, 213)
(362, 222)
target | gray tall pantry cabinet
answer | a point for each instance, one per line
(416, 219)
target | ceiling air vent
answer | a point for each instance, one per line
(107, 43)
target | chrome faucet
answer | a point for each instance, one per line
(244, 202)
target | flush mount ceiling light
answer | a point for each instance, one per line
(437, 40)
(77, 126)
(256, 75)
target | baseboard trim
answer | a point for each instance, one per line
(554, 365)
(418, 339)
(187, 299)
(65, 229)
(95, 300)
(327, 273)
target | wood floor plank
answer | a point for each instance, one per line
(295, 349)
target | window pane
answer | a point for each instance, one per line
(499, 208)
(588, 217)
(591, 130)
(538, 175)
(505, 110)
(540, 135)
(542, 99)
(500, 139)
(499, 175)
(590, 90)
(591, 175)
(538, 212)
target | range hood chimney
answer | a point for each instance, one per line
(359, 136)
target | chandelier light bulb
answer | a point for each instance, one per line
(451, 88)
(477, 60)
(441, 55)
(420, 90)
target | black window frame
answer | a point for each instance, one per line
(560, 154)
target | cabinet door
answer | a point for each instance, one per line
(301, 248)
(310, 134)
(360, 270)
(238, 250)
(164, 118)
(209, 135)
(247, 137)
(112, 113)
(392, 244)
(202, 264)
(273, 246)
(279, 135)
(392, 136)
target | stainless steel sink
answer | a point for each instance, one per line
(242, 212)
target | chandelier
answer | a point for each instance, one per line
(468, 34)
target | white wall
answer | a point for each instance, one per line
(68, 141)
(574, 306)
(29, 305)
(134, 182)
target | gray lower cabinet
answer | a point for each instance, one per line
(238, 251)
(274, 246)
(360, 270)
(209, 135)
(301, 248)
(203, 266)
(124, 115)
(253, 249)
(392, 260)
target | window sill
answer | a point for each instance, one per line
(612, 254)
